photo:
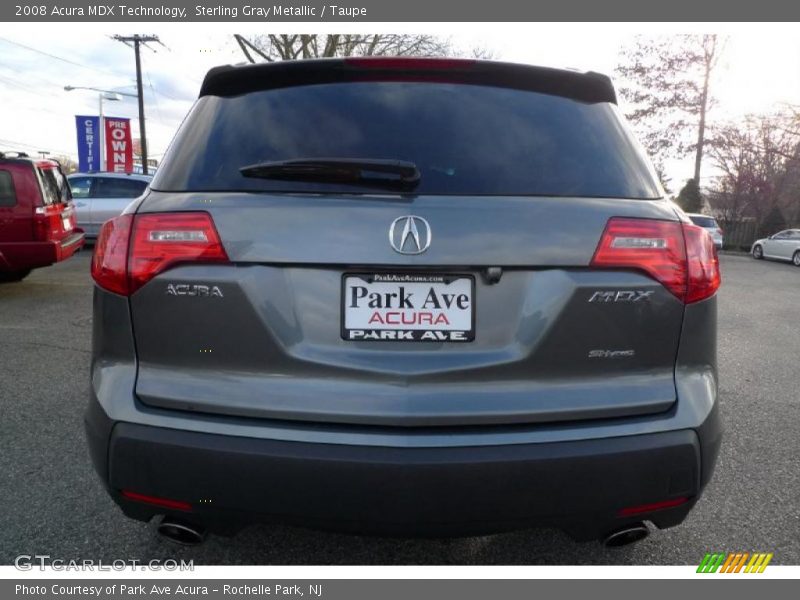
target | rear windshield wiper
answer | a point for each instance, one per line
(355, 171)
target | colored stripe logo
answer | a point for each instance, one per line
(734, 562)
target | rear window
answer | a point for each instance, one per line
(704, 221)
(55, 189)
(464, 139)
(8, 196)
(117, 187)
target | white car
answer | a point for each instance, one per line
(784, 245)
(99, 197)
(710, 225)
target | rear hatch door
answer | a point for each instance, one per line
(481, 273)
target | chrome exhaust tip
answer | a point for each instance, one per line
(626, 535)
(181, 532)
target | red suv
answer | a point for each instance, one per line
(37, 219)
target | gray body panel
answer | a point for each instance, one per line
(270, 346)
(114, 370)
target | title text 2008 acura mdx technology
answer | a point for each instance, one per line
(405, 297)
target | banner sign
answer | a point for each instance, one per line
(119, 146)
(88, 143)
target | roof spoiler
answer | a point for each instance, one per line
(16, 154)
(231, 80)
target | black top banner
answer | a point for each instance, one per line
(366, 11)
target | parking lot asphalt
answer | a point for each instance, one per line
(53, 503)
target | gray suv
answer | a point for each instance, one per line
(404, 297)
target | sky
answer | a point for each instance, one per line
(759, 71)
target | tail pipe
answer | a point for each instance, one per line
(181, 531)
(626, 535)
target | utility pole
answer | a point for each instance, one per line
(136, 41)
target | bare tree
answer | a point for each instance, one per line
(666, 82)
(277, 47)
(759, 162)
(68, 164)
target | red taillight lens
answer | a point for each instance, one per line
(47, 222)
(680, 256)
(655, 247)
(160, 240)
(109, 261)
(131, 250)
(701, 254)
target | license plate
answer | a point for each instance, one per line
(408, 307)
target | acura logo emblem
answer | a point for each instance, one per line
(410, 235)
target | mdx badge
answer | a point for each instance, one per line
(621, 296)
(194, 289)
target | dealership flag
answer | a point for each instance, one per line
(88, 143)
(119, 147)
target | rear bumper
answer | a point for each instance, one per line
(18, 256)
(579, 486)
(70, 245)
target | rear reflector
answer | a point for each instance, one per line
(156, 501)
(653, 507)
(131, 250)
(680, 256)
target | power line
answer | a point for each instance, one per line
(96, 69)
(14, 145)
(155, 100)
(55, 57)
(137, 41)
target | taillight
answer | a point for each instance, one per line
(161, 240)
(131, 250)
(109, 261)
(46, 221)
(41, 225)
(701, 254)
(680, 256)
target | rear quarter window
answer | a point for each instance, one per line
(8, 195)
(464, 139)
